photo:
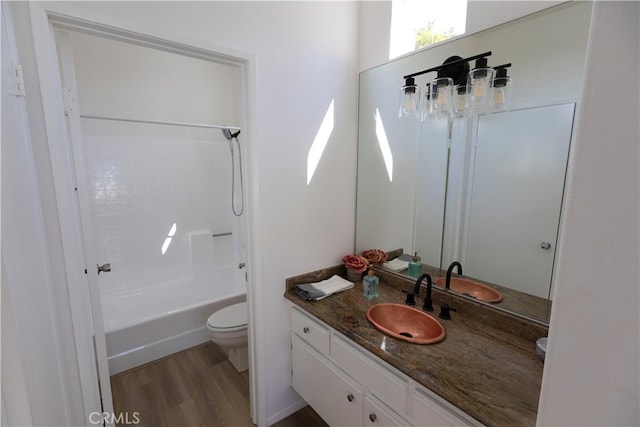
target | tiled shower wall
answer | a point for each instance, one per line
(142, 186)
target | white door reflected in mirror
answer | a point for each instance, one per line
(516, 197)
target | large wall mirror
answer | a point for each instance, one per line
(486, 190)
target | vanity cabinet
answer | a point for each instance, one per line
(331, 393)
(349, 386)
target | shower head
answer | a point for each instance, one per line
(229, 136)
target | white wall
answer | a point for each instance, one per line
(591, 374)
(37, 374)
(305, 59)
(374, 34)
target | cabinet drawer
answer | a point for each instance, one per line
(431, 410)
(377, 414)
(311, 331)
(376, 376)
(335, 397)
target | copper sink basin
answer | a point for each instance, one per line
(406, 323)
(469, 287)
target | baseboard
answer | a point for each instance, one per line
(156, 350)
(291, 409)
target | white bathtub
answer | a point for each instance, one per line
(146, 324)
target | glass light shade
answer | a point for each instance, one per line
(461, 100)
(480, 80)
(501, 93)
(409, 105)
(442, 96)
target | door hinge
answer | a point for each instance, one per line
(70, 100)
(17, 83)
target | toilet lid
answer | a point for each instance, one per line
(233, 316)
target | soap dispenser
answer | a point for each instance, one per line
(415, 268)
(370, 285)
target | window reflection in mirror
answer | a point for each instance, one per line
(417, 23)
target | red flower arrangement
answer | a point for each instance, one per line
(375, 256)
(356, 263)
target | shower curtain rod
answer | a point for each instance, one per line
(155, 122)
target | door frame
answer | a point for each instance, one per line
(44, 16)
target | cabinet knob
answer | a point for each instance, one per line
(350, 397)
(305, 330)
(373, 417)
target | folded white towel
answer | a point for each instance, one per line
(318, 290)
(396, 265)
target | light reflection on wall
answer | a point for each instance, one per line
(319, 143)
(167, 241)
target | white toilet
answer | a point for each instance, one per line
(228, 328)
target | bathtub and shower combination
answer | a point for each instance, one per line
(145, 324)
(166, 226)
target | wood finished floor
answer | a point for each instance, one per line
(196, 387)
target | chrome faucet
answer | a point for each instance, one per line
(427, 300)
(449, 270)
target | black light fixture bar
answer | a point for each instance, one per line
(456, 62)
(502, 66)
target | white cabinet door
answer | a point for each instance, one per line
(311, 331)
(377, 414)
(377, 377)
(428, 412)
(336, 398)
(516, 196)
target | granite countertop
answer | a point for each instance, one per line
(486, 366)
(514, 301)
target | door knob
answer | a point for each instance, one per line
(545, 245)
(104, 268)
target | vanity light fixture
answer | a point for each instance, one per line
(409, 99)
(457, 91)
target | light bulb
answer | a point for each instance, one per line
(442, 96)
(498, 99)
(478, 88)
(409, 106)
(461, 99)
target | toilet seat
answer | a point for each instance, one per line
(229, 319)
